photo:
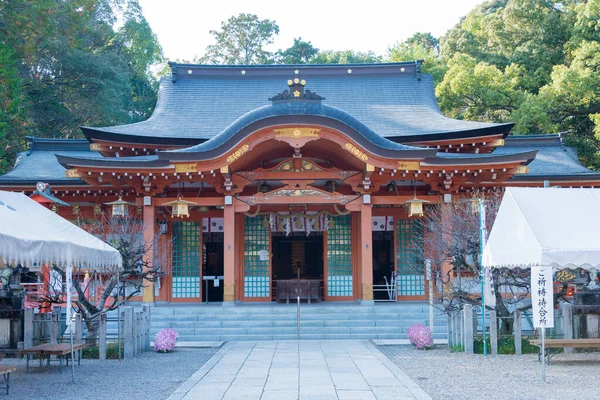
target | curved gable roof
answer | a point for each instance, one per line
(393, 100)
(295, 113)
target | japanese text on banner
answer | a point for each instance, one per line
(542, 297)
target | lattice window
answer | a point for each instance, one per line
(186, 259)
(409, 248)
(339, 257)
(257, 272)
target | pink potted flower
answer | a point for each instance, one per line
(420, 336)
(165, 339)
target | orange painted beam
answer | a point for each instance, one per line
(149, 233)
(366, 252)
(229, 254)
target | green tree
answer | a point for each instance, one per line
(478, 91)
(424, 40)
(73, 68)
(301, 52)
(242, 40)
(345, 57)
(421, 46)
(11, 109)
(534, 62)
(529, 33)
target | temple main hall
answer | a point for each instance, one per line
(255, 180)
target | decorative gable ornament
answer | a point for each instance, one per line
(296, 93)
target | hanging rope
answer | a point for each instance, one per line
(249, 214)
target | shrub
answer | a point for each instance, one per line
(420, 336)
(506, 345)
(165, 339)
(93, 353)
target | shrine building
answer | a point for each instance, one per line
(309, 172)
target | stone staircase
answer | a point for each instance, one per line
(197, 323)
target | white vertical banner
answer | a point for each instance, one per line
(69, 288)
(488, 288)
(542, 297)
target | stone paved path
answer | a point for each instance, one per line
(311, 370)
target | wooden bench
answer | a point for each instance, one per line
(563, 344)
(5, 370)
(59, 350)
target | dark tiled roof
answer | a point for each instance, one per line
(464, 158)
(296, 112)
(112, 162)
(39, 163)
(389, 102)
(552, 159)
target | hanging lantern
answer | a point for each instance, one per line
(119, 207)
(76, 209)
(54, 208)
(139, 211)
(415, 207)
(180, 207)
(97, 209)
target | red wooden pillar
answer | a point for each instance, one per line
(447, 275)
(229, 254)
(149, 235)
(366, 250)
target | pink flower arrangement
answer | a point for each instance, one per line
(420, 336)
(165, 339)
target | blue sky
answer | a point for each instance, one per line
(183, 26)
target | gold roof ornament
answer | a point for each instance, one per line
(180, 207)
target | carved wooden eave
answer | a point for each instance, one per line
(295, 168)
(297, 137)
(473, 145)
(144, 182)
(126, 149)
(299, 194)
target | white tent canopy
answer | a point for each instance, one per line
(546, 227)
(31, 235)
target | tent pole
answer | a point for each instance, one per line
(72, 353)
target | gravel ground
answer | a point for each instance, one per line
(445, 375)
(148, 376)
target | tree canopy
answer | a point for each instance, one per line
(242, 40)
(63, 64)
(534, 62)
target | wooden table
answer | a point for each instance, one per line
(562, 344)
(5, 370)
(306, 289)
(59, 350)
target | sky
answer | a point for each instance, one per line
(183, 26)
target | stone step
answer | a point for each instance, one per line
(398, 308)
(292, 323)
(278, 322)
